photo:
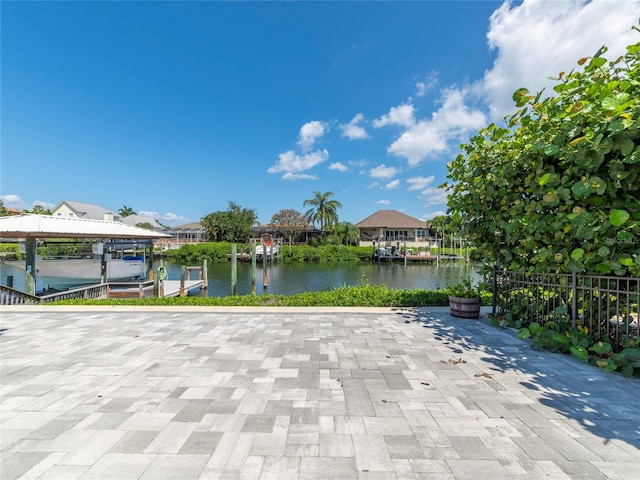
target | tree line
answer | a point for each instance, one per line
(235, 224)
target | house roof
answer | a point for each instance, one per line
(268, 228)
(193, 227)
(84, 210)
(390, 219)
(47, 226)
(135, 219)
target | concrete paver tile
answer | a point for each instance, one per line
(371, 453)
(93, 448)
(123, 466)
(174, 467)
(14, 464)
(323, 468)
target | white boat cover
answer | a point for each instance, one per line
(47, 226)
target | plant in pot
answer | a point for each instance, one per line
(464, 299)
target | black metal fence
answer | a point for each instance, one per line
(607, 306)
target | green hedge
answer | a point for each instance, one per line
(366, 295)
(11, 250)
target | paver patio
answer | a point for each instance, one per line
(314, 393)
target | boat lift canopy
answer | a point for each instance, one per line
(32, 227)
(47, 226)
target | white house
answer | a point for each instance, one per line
(71, 209)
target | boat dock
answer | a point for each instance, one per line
(168, 288)
(396, 253)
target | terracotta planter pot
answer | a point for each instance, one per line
(464, 307)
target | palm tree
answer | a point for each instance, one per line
(345, 233)
(126, 211)
(323, 211)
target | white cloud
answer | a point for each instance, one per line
(402, 115)
(298, 176)
(291, 164)
(452, 121)
(431, 215)
(383, 202)
(434, 196)
(427, 84)
(13, 201)
(309, 133)
(539, 39)
(352, 130)
(383, 171)
(373, 185)
(173, 217)
(338, 166)
(358, 163)
(149, 213)
(419, 183)
(43, 204)
(393, 184)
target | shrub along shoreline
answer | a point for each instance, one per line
(366, 295)
(216, 252)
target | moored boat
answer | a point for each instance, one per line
(267, 249)
(62, 274)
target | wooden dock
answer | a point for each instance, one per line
(172, 287)
(145, 289)
(241, 257)
(419, 258)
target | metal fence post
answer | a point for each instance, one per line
(574, 299)
(494, 291)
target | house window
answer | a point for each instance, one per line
(396, 235)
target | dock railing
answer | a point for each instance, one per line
(10, 296)
(607, 306)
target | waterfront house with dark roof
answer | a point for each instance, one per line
(392, 226)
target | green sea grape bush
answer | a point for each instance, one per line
(560, 337)
(558, 187)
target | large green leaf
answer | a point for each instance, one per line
(627, 146)
(544, 179)
(577, 254)
(601, 348)
(579, 352)
(551, 150)
(618, 217)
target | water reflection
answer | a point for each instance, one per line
(289, 279)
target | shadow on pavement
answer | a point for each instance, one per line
(605, 404)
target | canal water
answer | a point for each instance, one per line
(290, 279)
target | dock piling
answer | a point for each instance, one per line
(253, 267)
(264, 272)
(234, 269)
(205, 277)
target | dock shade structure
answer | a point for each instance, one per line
(32, 227)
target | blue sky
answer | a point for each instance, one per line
(175, 109)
